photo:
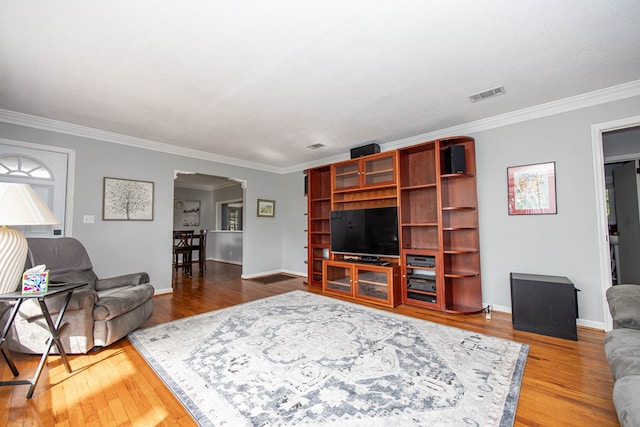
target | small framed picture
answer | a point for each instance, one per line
(191, 213)
(127, 200)
(532, 189)
(266, 208)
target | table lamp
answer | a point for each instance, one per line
(19, 205)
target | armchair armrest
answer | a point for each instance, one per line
(82, 299)
(124, 280)
(624, 305)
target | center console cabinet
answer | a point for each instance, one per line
(363, 281)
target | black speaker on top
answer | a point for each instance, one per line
(365, 150)
(454, 159)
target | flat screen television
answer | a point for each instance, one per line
(367, 232)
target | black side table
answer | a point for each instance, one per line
(545, 305)
(54, 329)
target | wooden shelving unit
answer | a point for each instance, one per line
(459, 229)
(318, 210)
(437, 218)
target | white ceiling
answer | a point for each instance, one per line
(262, 80)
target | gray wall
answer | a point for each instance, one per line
(293, 211)
(621, 143)
(118, 247)
(564, 244)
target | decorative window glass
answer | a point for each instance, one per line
(23, 166)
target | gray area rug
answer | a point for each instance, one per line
(305, 359)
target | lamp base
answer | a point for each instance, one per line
(13, 255)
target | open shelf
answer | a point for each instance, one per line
(439, 215)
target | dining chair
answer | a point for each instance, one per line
(201, 248)
(182, 246)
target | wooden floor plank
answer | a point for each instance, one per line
(565, 382)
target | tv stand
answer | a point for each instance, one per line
(362, 281)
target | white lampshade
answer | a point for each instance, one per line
(19, 205)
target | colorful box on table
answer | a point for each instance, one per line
(35, 282)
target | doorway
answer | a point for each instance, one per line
(212, 194)
(621, 150)
(608, 148)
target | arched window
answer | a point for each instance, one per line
(23, 166)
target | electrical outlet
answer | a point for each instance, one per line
(88, 219)
(487, 313)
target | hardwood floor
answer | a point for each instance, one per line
(565, 383)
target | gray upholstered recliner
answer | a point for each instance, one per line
(98, 314)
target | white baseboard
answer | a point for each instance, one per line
(590, 324)
(580, 322)
(224, 260)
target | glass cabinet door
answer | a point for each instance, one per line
(379, 171)
(372, 284)
(338, 278)
(347, 175)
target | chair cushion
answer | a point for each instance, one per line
(624, 305)
(622, 347)
(114, 302)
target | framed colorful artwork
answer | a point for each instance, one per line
(532, 189)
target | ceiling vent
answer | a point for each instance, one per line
(315, 146)
(487, 94)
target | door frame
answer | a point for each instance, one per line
(71, 173)
(603, 228)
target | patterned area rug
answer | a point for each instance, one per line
(305, 359)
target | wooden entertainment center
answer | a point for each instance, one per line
(439, 263)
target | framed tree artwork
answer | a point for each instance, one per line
(532, 189)
(127, 200)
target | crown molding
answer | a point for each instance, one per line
(589, 99)
(42, 123)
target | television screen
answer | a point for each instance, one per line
(370, 232)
